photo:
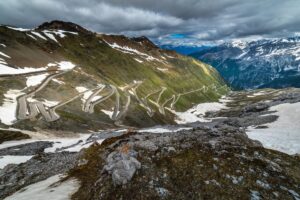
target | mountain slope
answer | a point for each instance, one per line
(257, 64)
(61, 76)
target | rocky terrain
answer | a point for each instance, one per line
(256, 64)
(212, 159)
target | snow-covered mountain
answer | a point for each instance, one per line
(62, 76)
(257, 64)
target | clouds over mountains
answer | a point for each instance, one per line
(196, 20)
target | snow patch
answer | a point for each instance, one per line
(65, 65)
(9, 107)
(38, 35)
(61, 33)
(49, 35)
(283, 134)
(50, 103)
(50, 188)
(81, 89)
(108, 112)
(5, 55)
(35, 80)
(31, 36)
(140, 61)
(18, 29)
(87, 94)
(4, 69)
(162, 69)
(126, 49)
(6, 160)
(163, 130)
(196, 114)
(58, 81)
(69, 144)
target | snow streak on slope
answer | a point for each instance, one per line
(284, 134)
(49, 189)
(38, 35)
(126, 49)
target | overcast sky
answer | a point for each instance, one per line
(165, 21)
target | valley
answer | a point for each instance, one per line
(87, 115)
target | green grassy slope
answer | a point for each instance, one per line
(98, 63)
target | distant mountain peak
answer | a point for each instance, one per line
(256, 64)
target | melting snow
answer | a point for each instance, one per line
(50, 188)
(35, 80)
(163, 130)
(18, 29)
(4, 69)
(9, 107)
(38, 35)
(58, 81)
(50, 103)
(87, 94)
(31, 36)
(3, 54)
(65, 65)
(81, 89)
(61, 33)
(49, 35)
(5, 160)
(70, 144)
(3, 62)
(108, 112)
(126, 49)
(162, 69)
(140, 61)
(196, 114)
(283, 134)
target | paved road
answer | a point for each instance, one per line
(30, 110)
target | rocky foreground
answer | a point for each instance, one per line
(207, 160)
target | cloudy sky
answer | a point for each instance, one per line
(165, 21)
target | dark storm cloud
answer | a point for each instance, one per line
(199, 20)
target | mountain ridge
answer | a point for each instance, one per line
(118, 80)
(256, 64)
